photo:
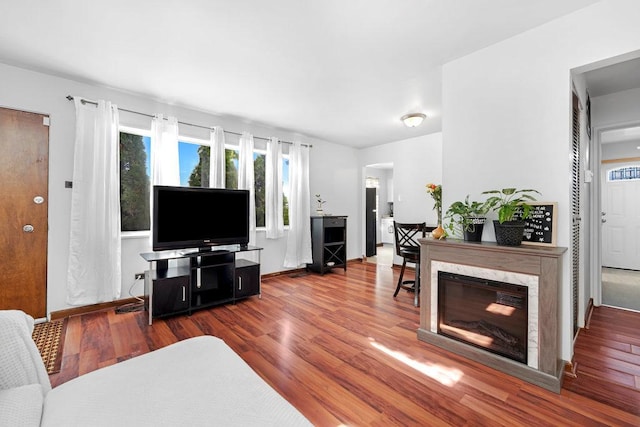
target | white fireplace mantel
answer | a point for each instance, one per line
(537, 268)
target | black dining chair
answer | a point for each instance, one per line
(407, 247)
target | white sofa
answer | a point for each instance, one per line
(196, 382)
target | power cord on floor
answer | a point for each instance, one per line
(135, 306)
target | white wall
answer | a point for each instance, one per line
(333, 168)
(507, 113)
(621, 150)
(416, 162)
(334, 175)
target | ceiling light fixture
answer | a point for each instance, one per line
(413, 120)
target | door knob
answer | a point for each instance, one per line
(28, 228)
(603, 213)
(604, 220)
(38, 200)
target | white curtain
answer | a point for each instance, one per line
(165, 166)
(274, 220)
(246, 180)
(94, 273)
(217, 160)
(299, 237)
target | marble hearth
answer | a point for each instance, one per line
(536, 268)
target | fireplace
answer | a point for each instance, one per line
(487, 314)
(522, 283)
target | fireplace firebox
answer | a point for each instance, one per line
(484, 313)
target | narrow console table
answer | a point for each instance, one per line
(181, 281)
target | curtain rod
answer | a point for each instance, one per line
(86, 101)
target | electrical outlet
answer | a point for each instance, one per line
(139, 276)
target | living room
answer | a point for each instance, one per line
(497, 103)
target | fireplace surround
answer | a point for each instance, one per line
(531, 269)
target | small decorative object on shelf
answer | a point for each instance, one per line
(436, 193)
(320, 202)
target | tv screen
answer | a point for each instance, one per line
(193, 217)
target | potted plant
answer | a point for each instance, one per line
(467, 218)
(512, 208)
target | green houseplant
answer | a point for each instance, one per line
(512, 208)
(467, 218)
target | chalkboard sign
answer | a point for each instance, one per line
(540, 227)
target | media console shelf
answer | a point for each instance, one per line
(181, 281)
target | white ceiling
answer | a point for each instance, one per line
(340, 70)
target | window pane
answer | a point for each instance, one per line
(194, 164)
(231, 179)
(259, 185)
(134, 181)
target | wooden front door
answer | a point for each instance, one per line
(24, 144)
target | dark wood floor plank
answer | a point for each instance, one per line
(342, 350)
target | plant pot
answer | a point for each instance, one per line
(509, 233)
(473, 231)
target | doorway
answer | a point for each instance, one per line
(378, 203)
(371, 221)
(23, 212)
(620, 218)
(613, 86)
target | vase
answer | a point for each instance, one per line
(438, 232)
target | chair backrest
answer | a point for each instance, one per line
(407, 235)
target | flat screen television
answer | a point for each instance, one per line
(195, 217)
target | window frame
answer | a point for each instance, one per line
(144, 133)
(189, 140)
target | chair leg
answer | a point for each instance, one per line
(404, 264)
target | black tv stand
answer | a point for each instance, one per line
(179, 282)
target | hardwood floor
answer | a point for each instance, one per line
(608, 357)
(342, 350)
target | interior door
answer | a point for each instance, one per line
(621, 220)
(371, 220)
(24, 144)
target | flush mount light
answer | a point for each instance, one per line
(413, 120)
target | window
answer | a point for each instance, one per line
(194, 164)
(135, 175)
(629, 173)
(135, 167)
